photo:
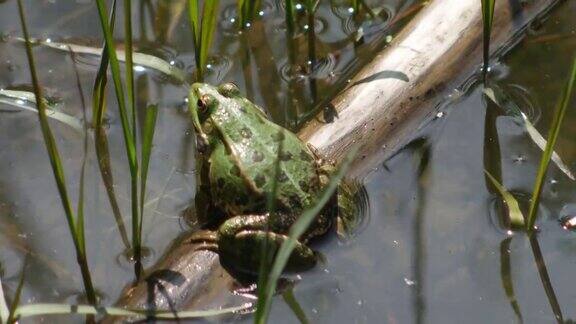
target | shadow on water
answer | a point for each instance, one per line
(545, 278)
(398, 75)
(422, 157)
(506, 276)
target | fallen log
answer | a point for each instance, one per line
(380, 108)
(392, 95)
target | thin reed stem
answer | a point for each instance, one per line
(56, 164)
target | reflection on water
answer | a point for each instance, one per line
(437, 249)
(256, 59)
(433, 247)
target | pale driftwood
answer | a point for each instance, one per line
(436, 52)
(439, 49)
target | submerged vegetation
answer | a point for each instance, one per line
(305, 81)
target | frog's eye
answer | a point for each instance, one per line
(229, 90)
(204, 102)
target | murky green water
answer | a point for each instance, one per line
(433, 249)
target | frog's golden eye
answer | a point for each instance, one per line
(201, 106)
(204, 102)
(229, 90)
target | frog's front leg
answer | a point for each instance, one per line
(242, 238)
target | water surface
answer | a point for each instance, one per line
(434, 248)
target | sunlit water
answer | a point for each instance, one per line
(432, 247)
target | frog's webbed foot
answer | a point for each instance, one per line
(205, 240)
(242, 239)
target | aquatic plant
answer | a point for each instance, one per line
(247, 10)
(75, 220)
(516, 216)
(101, 141)
(127, 110)
(202, 27)
(558, 117)
(487, 19)
(310, 11)
(128, 126)
(266, 293)
(514, 213)
(13, 313)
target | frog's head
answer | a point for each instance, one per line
(205, 99)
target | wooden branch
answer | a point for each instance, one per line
(395, 93)
(382, 106)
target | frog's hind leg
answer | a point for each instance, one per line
(242, 238)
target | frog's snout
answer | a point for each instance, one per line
(196, 86)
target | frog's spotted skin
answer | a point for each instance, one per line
(252, 143)
(243, 148)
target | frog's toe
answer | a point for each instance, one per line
(204, 240)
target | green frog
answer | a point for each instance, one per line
(239, 147)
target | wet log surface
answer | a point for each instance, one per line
(380, 108)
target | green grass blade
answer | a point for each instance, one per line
(147, 139)
(127, 130)
(499, 96)
(209, 19)
(290, 299)
(296, 231)
(514, 212)
(118, 87)
(255, 7)
(559, 114)
(64, 309)
(4, 310)
(194, 18)
(356, 5)
(101, 142)
(311, 33)
(129, 80)
(18, 294)
(80, 205)
(55, 161)
(487, 18)
(202, 27)
(99, 90)
(49, 141)
(129, 64)
(241, 8)
(266, 254)
(247, 11)
(290, 20)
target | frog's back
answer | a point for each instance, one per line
(252, 141)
